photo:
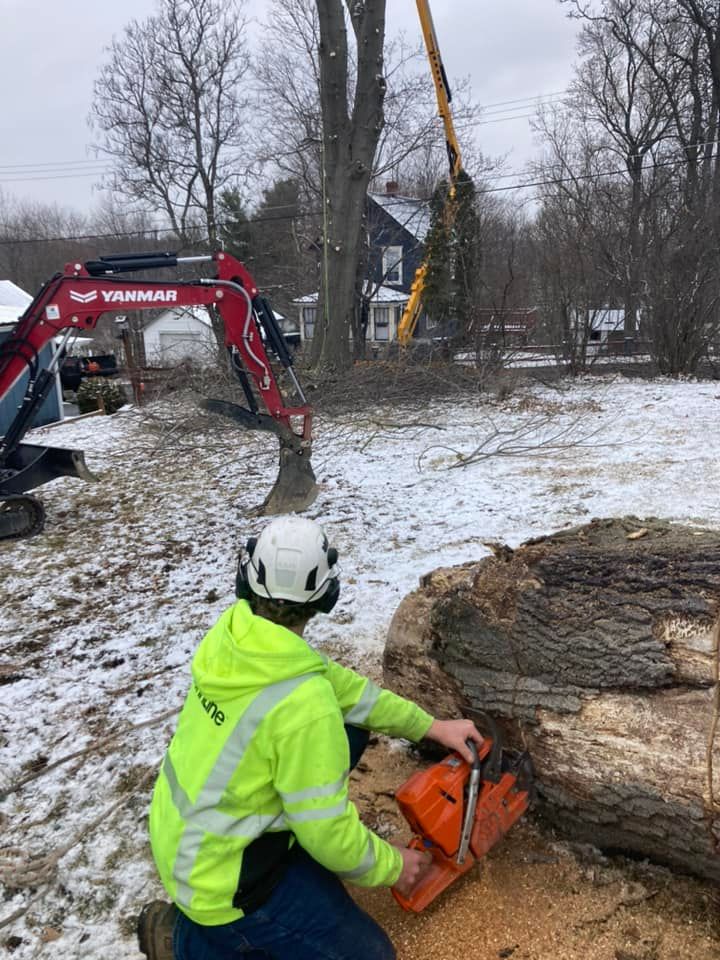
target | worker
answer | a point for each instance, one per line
(251, 827)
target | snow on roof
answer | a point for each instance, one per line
(382, 294)
(197, 313)
(13, 302)
(409, 212)
(11, 295)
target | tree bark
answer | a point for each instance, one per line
(350, 138)
(596, 649)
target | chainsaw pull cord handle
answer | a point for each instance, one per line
(472, 797)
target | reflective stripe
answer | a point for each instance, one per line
(323, 813)
(203, 816)
(362, 709)
(365, 865)
(217, 821)
(179, 797)
(311, 793)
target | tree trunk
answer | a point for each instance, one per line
(596, 649)
(350, 137)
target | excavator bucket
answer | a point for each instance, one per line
(27, 467)
(30, 466)
(295, 487)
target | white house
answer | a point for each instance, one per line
(181, 334)
(385, 312)
(185, 333)
(602, 325)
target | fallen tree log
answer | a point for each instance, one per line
(596, 649)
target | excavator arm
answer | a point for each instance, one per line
(73, 301)
(443, 94)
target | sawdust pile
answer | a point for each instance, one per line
(536, 899)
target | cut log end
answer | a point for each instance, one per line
(596, 649)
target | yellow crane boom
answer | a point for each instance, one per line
(410, 317)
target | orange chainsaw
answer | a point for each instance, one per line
(458, 811)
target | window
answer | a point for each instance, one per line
(430, 322)
(309, 315)
(381, 318)
(392, 264)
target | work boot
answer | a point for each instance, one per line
(155, 930)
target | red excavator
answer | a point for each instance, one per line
(73, 301)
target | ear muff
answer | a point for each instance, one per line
(242, 587)
(327, 601)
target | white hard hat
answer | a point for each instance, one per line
(291, 561)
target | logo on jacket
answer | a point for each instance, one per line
(210, 708)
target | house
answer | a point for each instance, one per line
(180, 334)
(397, 229)
(13, 302)
(185, 333)
(605, 328)
(385, 309)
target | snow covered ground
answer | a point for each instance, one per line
(101, 613)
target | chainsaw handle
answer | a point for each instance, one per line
(472, 747)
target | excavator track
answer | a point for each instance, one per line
(21, 515)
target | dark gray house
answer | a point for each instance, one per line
(397, 228)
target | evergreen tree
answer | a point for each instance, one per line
(466, 251)
(453, 256)
(266, 242)
(437, 292)
(235, 228)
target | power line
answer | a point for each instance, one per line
(49, 163)
(167, 228)
(540, 96)
(69, 169)
(59, 176)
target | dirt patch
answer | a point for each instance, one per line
(534, 898)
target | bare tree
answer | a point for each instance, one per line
(168, 108)
(675, 47)
(410, 143)
(619, 94)
(36, 239)
(353, 120)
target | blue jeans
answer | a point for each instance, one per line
(308, 916)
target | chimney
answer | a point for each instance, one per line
(392, 188)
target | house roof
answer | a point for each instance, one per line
(383, 294)
(412, 214)
(13, 302)
(197, 313)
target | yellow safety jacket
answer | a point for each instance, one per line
(259, 761)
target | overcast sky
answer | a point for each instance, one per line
(50, 51)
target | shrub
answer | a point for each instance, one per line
(91, 391)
